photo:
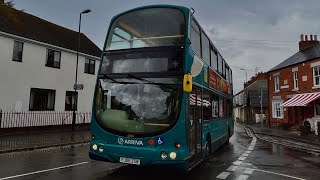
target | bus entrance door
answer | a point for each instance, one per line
(195, 148)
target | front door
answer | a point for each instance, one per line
(195, 148)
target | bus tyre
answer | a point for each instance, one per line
(208, 147)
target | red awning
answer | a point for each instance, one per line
(301, 99)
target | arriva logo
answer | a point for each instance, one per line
(122, 141)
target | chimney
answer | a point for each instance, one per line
(306, 44)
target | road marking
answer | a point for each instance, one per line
(243, 177)
(237, 163)
(293, 177)
(248, 152)
(241, 158)
(232, 168)
(46, 170)
(245, 154)
(248, 171)
(223, 175)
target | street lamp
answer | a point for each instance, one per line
(86, 11)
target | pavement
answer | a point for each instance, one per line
(27, 142)
(287, 138)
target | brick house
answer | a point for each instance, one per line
(247, 101)
(294, 86)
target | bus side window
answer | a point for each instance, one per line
(195, 38)
(207, 105)
(215, 107)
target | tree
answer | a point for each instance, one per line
(9, 4)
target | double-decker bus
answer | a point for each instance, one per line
(163, 94)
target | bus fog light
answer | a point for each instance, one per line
(94, 147)
(163, 155)
(101, 149)
(173, 155)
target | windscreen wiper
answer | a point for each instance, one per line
(101, 76)
(141, 79)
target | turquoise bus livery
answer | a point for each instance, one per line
(163, 94)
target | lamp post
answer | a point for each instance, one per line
(86, 11)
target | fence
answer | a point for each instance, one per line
(41, 120)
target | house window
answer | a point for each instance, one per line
(316, 76)
(53, 58)
(17, 51)
(277, 109)
(295, 80)
(71, 101)
(89, 66)
(41, 99)
(276, 83)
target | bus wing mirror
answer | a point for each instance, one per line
(187, 83)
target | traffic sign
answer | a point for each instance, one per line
(78, 86)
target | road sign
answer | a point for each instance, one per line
(78, 86)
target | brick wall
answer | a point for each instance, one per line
(305, 85)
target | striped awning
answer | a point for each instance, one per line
(301, 99)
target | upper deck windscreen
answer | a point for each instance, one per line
(151, 27)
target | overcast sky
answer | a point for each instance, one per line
(249, 33)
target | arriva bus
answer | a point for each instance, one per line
(163, 94)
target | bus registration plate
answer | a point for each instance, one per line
(130, 160)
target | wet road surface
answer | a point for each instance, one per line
(243, 158)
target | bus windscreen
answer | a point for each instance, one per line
(151, 27)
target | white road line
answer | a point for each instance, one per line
(237, 163)
(232, 168)
(293, 177)
(248, 171)
(250, 148)
(241, 158)
(245, 154)
(46, 170)
(248, 152)
(223, 175)
(243, 177)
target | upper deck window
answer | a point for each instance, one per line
(152, 27)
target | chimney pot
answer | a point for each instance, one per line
(311, 37)
(301, 37)
(306, 37)
(315, 38)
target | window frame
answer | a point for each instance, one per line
(52, 66)
(276, 83)
(13, 53)
(73, 95)
(32, 108)
(295, 80)
(314, 77)
(89, 66)
(277, 109)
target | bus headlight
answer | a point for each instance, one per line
(94, 147)
(163, 155)
(173, 155)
